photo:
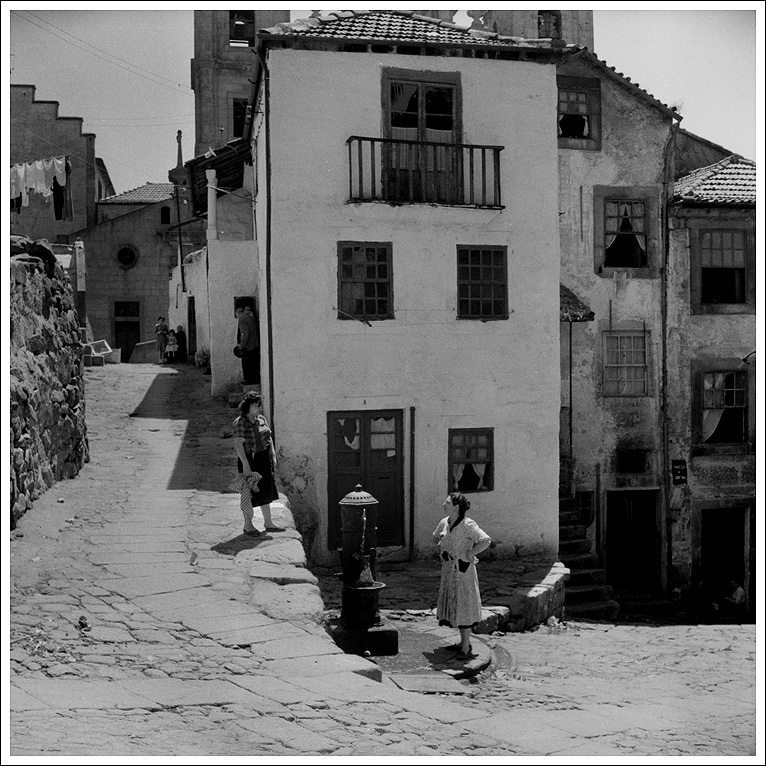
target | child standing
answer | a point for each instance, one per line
(172, 346)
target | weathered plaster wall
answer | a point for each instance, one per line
(195, 277)
(633, 140)
(38, 132)
(500, 374)
(47, 403)
(146, 282)
(728, 476)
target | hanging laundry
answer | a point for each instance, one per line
(49, 177)
(63, 209)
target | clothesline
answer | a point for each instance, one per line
(49, 177)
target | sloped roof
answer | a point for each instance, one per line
(141, 195)
(622, 80)
(571, 308)
(728, 182)
(398, 27)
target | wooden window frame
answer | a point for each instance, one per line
(481, 283)
(696, 231)
(343, 312)
(591, 86)
(489, 474)
(606, 364)
(650, 197)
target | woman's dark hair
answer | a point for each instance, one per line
(250, 398)
(462, 503)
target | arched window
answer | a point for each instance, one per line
(549, 24)
(165, 214)
(127, 257)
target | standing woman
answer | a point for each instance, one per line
(255, 454)
(459, 539)
(161, 331)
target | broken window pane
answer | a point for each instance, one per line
(624, 234)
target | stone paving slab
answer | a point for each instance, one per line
(65, 694)
(256, 637)
(524, 734)
(174, 692)
(110, 635)
(222, 623)
(436, 684)
(296, 646)
(282, 574)
(121, 556)
(647, 716)
(152, 585)
(280, 550)
(308, 667)
(291, 734)
(136, 545)
(190, 598)
(278, 689)
(299, 602)
(147, 569)
(22, 700)
(141, 534)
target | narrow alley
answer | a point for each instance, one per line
(143, 623)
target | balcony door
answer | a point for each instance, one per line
(422, 120)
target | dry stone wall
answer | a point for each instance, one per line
(48, 434)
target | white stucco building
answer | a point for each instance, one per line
(408, 253)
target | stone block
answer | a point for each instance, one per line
(378, 641)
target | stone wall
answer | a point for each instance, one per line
(48, 432)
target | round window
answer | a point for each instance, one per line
(127, 257)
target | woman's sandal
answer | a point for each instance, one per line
(467, 655)
(251, 533)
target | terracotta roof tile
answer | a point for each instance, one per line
(728, 182)
(141, 195)
(571, 308)
(397, 26)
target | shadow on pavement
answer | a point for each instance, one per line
(239, 543)
(206, 459)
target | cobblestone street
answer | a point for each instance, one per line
(141, 624)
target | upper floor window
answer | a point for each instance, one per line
(724, 407)
(549, 24)
(238, 117)
(722, 266)
(579, 112)
(625, 233)
(241, 29)
(365, 283)
(482, 282)
(626, 230)
(625, 365)
(164, 214)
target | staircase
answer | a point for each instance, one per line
(587, 595)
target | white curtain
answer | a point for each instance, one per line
(710, 421)
(480, 469)
(457, 473)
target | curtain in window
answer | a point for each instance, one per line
(480, 469)
(457, 474)
(353, 441)
(710, 421)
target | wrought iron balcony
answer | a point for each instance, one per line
(394, 170)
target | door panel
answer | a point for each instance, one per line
(632, 541)
(365, 447)
(126, 335)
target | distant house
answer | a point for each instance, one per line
(130, 253)
(711, 366)
(38, 132)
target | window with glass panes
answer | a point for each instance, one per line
(574, 115)
(723, 267)
(471, 459)
(482, 282)
(365, 280)
(625, 233)
(625, 367)
(724, 407)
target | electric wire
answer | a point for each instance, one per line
(140, 72)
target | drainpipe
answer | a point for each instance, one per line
(412, 482)
(571, 406)
(269, 317)
(669, 177)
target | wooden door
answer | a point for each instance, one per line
(191, 323)
(632, 541)
(365, 447)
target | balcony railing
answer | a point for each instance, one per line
(393, 170)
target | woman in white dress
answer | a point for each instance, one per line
(459, 539)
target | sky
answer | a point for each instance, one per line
(125, 69)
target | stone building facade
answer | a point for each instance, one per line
(39, 132)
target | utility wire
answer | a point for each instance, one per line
(140, 72)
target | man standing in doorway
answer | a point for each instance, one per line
(247, 331)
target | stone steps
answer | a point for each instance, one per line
(582, 545)
(582, 594)
(569, 517)
(571, 531)
(593, 610)
(594, 576)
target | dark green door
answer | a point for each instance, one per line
(365, 447)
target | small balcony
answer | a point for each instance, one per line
(425, 172)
